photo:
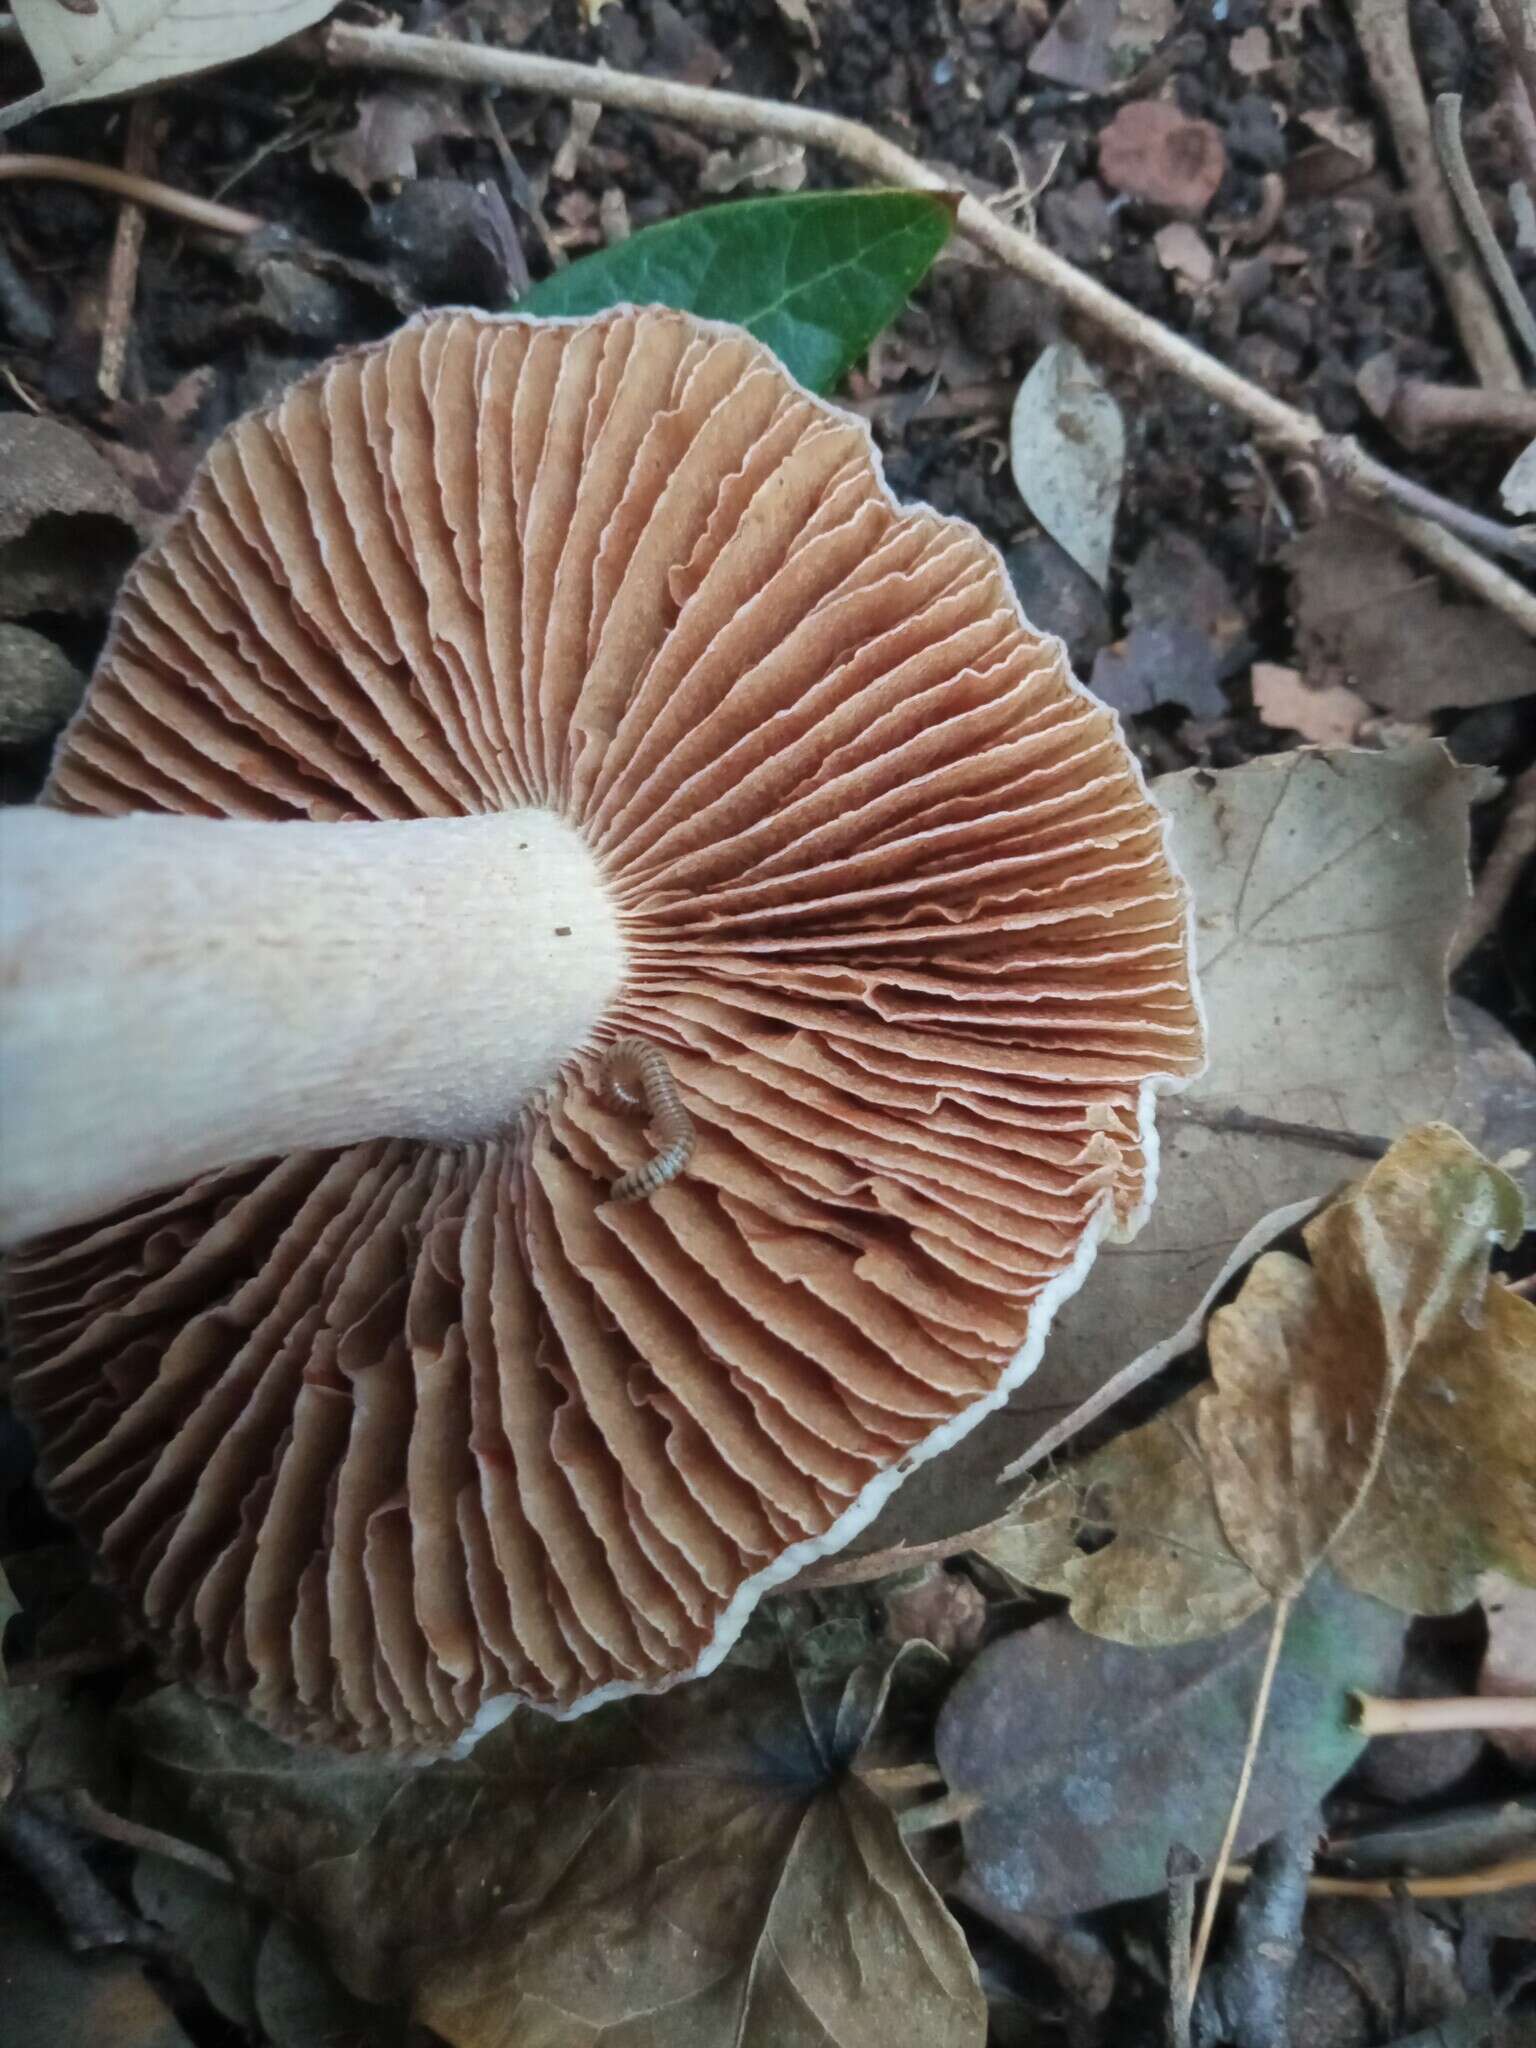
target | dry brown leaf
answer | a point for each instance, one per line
(658, 1874)
(1093, 45)
(1509, 1663)
(1184, 250)
(1456, 1492)
(1328, 716)
(1251, 53)
(1238, 1490)
(1308, 1360)
(1153, 152)
(1367, 616)
(380, 147)
(1169, 1575)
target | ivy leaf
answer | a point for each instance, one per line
(657, 1873)
(1088, 1758)
(815, 276)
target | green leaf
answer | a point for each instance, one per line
(1089, 1758)
(815, 276)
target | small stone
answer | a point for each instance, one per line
(40, 687)
(1255, 135)
(1078, 223)
(1008, 313)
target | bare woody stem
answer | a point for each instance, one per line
(1374, 1716)
(1282, 426)
(178, 993)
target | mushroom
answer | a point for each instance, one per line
(536, 750)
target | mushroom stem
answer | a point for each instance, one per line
(184, 993)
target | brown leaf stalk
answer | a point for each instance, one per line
(1240, 1796)
(1512, 1876)
(199, 213)
(1375, 1716)
(1290, 430)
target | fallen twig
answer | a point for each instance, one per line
(1296, 433)
(1375, 1716)
(1183, 1876)
(46, 1850)
(1471, 1884)
(1381, 27)
(127, 245)
(1515, 845)
(1417, 411)
(882, 1564)
(1517, 21)
(1240, 1796)
(79, 1809)
(69, 170)
(1458, 175)
(1245, 1122)
(1247, 1996)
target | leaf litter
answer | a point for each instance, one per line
(659, 1871)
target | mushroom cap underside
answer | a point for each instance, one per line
(382, 1439)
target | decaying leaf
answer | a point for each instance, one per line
(1376, 1404)
(1153, 152)
(85, 53)
(1456, 1492)
(380, 147)
(1090, 1757)
(656, 1873)
(1309, 1360)
(1067, 449)
(1168, 1575)
(1327, 887)
(1368, 617)
(1095, 44)
(1328, 715)
(1509, 1662)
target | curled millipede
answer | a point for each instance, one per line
(638, 1074)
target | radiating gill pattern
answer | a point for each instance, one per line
(373, 1438)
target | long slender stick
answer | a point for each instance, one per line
(1382, 29)
(1292, 431)
(1458, 175)
(1373, 1716)
(69, 170)
(1512, 1876)
(1240, 1796)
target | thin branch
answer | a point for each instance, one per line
(1294, 432)
(1517, 21)
(1514, 847)
(1183, 1875)
(77, 1807)
(69, 170)
(1381, 27)
(1417, 410)
(127, 246)
(1458, 175)
(1240, 1796)
(1471, 1884)
(1374, 1716)
(1247, 1122)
